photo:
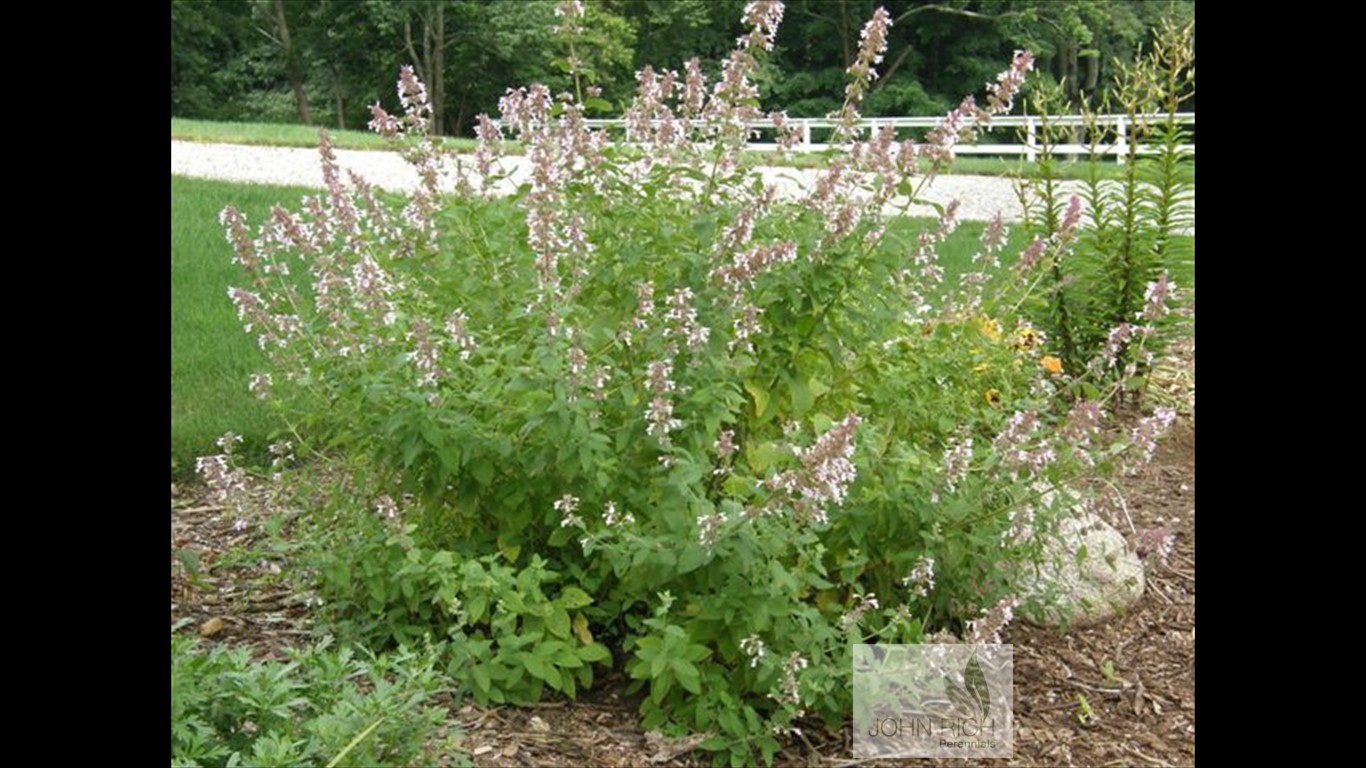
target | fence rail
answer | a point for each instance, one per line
(1117, 128)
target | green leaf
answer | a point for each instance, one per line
(761, 398)
(688, 676)
(656, 718)
(661, 685)
(573, 598)
(764, 456)
(558, 623)
(477, 603)
(729, 721)
(595, 652)
(482, 470)
(553, 678)
(566, 658)
(536, 666)
(514, 603)
(714, 743)
(581, 630)
(692, 558)
(697, 652)
(480, 674)
(802, 399)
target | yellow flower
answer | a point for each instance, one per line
(1051, 364)
(993, 397)
(1026, 338)
(990, 329)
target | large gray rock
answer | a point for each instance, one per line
(1088, 574)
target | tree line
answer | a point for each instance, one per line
(325, 61)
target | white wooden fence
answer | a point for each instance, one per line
(1116, 129)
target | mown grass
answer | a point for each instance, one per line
(211, 357)
(282, 135)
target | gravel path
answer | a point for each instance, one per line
(981, 197)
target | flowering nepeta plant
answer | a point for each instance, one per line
(872, 45)
(226, 481)
(824, 477)
(783, 393)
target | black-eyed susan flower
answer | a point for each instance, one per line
(1027, 337)
(990, 328)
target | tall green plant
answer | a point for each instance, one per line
(1136, 242)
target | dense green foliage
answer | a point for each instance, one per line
(230, 61)
(324, 706)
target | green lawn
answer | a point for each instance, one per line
(282, 135)
(211, 357)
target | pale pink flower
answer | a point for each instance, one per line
(994, 620)
(1155, 298)
(763, 16)
(957, 460)
(754, 649)
(921, 578)
(709, 528)
(825, 475)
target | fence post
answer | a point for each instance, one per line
(806, 134)
(1031, 140)
(1122, 139)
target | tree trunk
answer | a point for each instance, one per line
(1071, 72)
(1092, 73)
(844, 36)
(438, 70)
(431, 63)
(337, 96)
(296, 79)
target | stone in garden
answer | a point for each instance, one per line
(211, 627)
(1088, 574)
